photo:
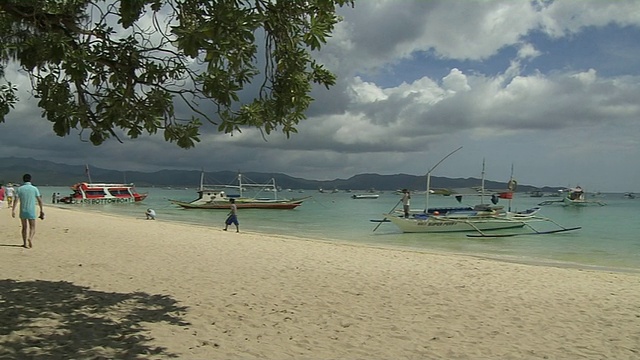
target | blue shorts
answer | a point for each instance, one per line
(232, 219)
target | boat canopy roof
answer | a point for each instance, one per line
(85, 185)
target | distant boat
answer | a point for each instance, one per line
(630, 195)
(365, 196)
(574, 197)
(536, 193)
(217, 198)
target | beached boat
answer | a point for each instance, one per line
(217, 197)
(102, 193)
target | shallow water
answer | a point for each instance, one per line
(608, 238)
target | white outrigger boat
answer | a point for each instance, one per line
(478, 219)
(575, 197)
(217, 198)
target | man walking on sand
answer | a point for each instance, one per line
(28, 195)
(232, 217)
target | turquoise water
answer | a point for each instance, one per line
(609, 236)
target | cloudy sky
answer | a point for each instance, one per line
(551, 88)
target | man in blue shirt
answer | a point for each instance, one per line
(28, 195)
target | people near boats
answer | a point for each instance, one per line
(406, 202)
(55, 198)
(232, 217)
(151, 214)
(28, 196)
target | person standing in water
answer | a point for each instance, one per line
(232, 217)
(406, 202)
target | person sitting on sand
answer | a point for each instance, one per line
(151, 214)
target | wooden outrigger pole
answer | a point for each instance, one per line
(426, 210)
(534, 231)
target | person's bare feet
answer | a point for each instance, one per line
(30, 245)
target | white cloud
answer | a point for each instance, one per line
(455, 81)
(528, 51)
(563, 18)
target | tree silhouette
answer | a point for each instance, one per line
(60, 320)
(113, 67)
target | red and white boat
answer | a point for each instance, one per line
(103, 193)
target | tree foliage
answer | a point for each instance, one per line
(108, 67)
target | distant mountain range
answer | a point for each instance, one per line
(47, 173)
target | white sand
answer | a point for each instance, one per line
(104, 286)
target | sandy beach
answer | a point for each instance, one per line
(100, 286)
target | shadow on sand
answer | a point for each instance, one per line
(60, 320)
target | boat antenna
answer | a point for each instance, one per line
(86, 171)
(426, 210)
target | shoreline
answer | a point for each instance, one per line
(508, 259)
(504, 258)
(107, 285)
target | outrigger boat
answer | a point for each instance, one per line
(217, 198)
(478, 219)
(575, 197)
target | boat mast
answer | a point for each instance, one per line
(274, 188)
(86, 170)
(509, 187)
(482, 184)
(426, 210)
